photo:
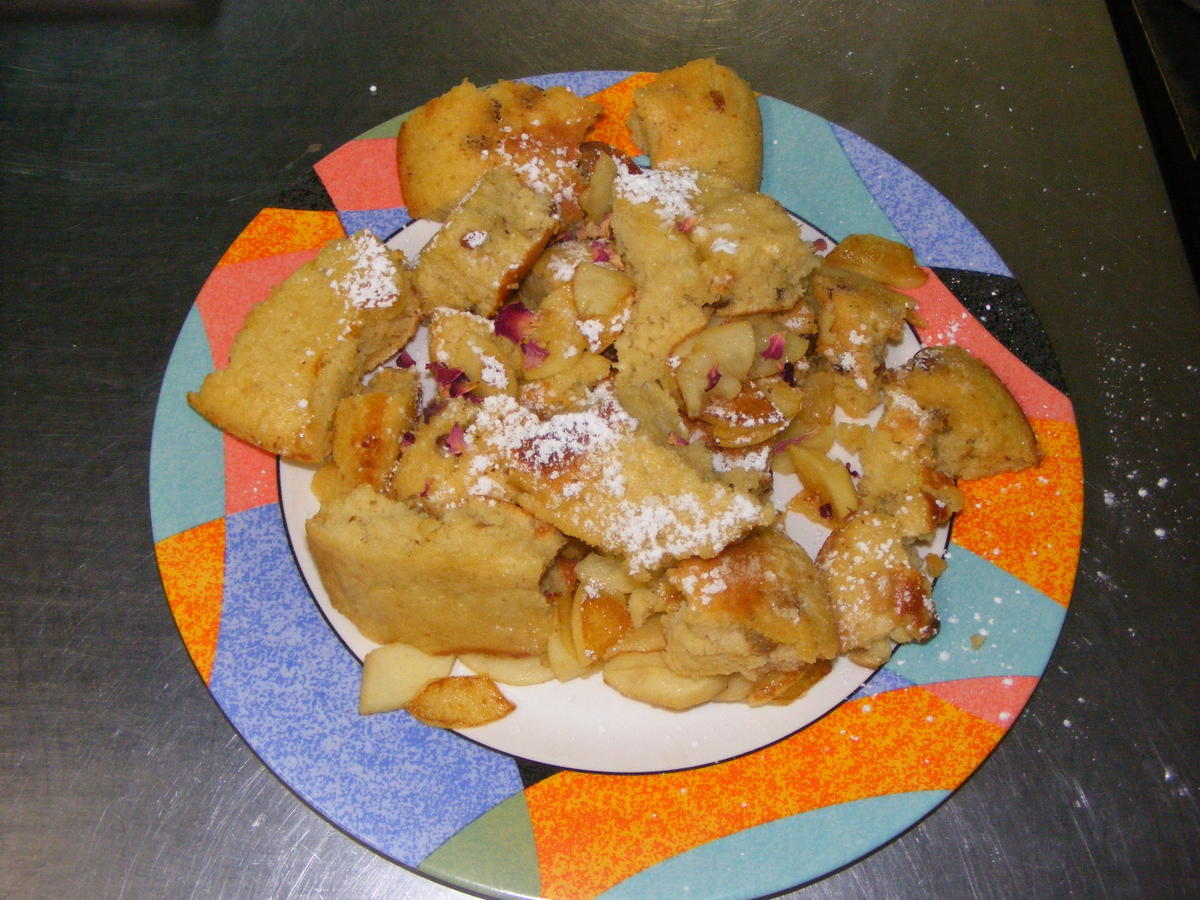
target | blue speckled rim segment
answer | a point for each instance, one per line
(289, 686)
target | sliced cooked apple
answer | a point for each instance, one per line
(745, 420)
(601, 292)
(718, 358)
(598, 621)
(732, 343)
(554, 336)
(692, 379)
(878, 258)
(597, 198)
(460, 702)
(827, 479)
(645, 677)
(775, 346)
(781, 688)
(646, 638)
(395, 673)
(517, 670)
(605, 574)
(562, 659)
(737, 690)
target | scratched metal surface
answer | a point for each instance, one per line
(132, 151)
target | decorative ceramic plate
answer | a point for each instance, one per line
(703, 818)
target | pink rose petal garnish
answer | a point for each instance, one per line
(462, 385)
(774, 346)
(714, 375)
(514, 322)
(687, 223)
(456, 441)
(443, 374)
(404, 361)
(535, 354)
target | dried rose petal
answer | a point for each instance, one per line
(407, 439)
(820, 245)
(461, 385)
(687, 223)
(714, 375)
(404, 361)
(600, 252)
(535, 354)
(788, 371)
(456, 441)
(514, 322)
(434, 407)
(675, 440)
(775, 345)
(825, 510)
(443, 374)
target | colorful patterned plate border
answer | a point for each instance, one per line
(483, 821)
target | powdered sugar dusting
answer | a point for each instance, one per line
(597, 447)
(371, 281)
(670, 191)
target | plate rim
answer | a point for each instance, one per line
(457, 880)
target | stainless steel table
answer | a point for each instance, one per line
(137, 142)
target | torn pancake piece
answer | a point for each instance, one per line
(760, 606)
(490, 240)
(465, 580)
(595, 476)
(701, 116)
(305, 347)
(446, 145)
(880, 596)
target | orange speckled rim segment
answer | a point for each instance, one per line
(473, 817)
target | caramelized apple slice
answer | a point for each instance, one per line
(598, 621)
(554, 341)
(825, 483)
(460, 702)
(646, 638)
(878, 258)
(748, 419)
(781, 688)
